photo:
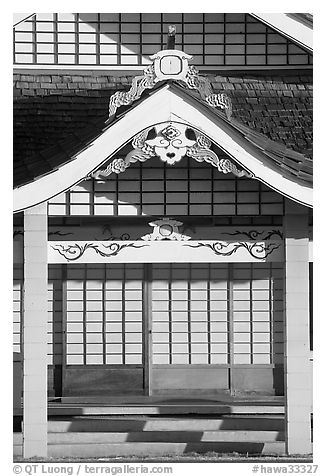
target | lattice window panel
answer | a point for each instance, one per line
(18, 282)
(201, 313)
(128, 39)
(190, 314)
(104, 314)
(217, 314)
(153, 188)
(54, 319)
(257, 313)
(55, 309)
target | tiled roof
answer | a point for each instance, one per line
(48, 159)
(292, 163)
(57, 114)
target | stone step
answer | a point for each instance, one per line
(143, 424)
(160, 436)
(163, 448)
(154, 449)
(170, 400)
(73, 409)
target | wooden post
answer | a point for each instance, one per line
(35, 332)
(170, 45)
(147, 332)
(297, 372)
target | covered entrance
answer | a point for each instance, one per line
(166, 329)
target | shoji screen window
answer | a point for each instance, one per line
(55, 273)
(129, 39)
(190, 315)
(104, 314)
(257, 313)
(124, 314)
(17, 306)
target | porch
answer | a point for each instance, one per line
(159, 426)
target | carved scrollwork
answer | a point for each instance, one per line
(140, 153)
(59, 233)
(138, 86)
(257, 250)
(203, 86)
(255, 235)
(72, 252)
(109, 236)
(17, 233)
(171, 143)
(201, 152)
(51, 233)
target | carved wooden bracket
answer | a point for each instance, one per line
(171, 143)
(171, 64)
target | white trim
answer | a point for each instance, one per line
(199, 233)
(290, 27)
(161, 106)
(177, 251)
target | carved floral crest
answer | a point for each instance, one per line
(165, 229)
(171, 142)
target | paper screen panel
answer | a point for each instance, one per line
(154, 188)
(128, 39)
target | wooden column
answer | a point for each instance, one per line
(35, 332)
(297, 373)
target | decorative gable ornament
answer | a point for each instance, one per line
(171, 143)
(170, 64)
(165, 229)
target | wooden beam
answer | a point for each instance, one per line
(165, 251)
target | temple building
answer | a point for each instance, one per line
(162, 233)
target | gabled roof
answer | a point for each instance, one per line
(50, 108)
(282, 169)
(51, 158)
